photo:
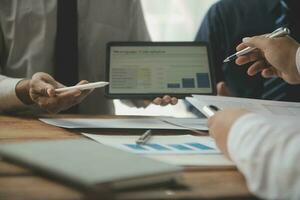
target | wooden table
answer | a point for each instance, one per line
(20, 183)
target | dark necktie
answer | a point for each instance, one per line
(275, 88)
(66, 47)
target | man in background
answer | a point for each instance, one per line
(66, 40)
(227, 22)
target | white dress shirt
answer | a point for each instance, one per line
(266, 149)
(298, 59)
(27, 38)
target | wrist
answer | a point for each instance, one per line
(22, 92)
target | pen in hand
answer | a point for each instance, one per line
(143, 139)
(83, 87)
(280, 32)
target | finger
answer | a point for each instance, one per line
(51, 105)
(210, 124)
(174, 100)
(210, 121)
(260, 42)
(147, 103)
(257, 67)
(62, 101)
(69, 93)
(49, 79)
(269, 73)
(86, 92)
(43, 84)
(250, 57)
(82, 82)
(222, 89)
(42, 89)
(166, 99)
(157, 101)
(241, 47)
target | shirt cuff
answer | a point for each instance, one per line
(8, 96)
(298, 60)
(236, 135)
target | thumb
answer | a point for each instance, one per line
(260, 42)
(42, 87)
(46, 89)
(222, 89)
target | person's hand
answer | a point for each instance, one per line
(220, 124)
(165, 100)
(40, 90)
(223, 90)
(273, 57)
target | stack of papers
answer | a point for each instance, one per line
(130, 123)
(254, 105)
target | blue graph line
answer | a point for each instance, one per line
(180, 147)
(199, 146)
(136, 147)
(157, 147)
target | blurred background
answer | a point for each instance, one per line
(169, 20)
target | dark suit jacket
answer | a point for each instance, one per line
(224, 26)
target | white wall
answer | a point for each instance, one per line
(173, 20)
(169, 20)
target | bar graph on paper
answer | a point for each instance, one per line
(182, 144)
(195, 147)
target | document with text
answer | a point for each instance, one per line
(254, 105)
(163, 123)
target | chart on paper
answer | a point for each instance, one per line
(183, 144)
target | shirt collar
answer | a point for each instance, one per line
(272, 4)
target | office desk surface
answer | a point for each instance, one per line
(21, 183)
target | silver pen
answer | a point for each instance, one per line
(280, 32)
(143, 139)
(210, 110)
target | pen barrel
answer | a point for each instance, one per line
(245, 51)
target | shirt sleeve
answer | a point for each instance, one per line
(8, 97)
(266, 150)
(298, 59)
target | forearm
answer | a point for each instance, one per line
(266, 150)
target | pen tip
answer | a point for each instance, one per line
(226, 60)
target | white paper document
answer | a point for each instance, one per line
(130, 123)
(180, 144)
(183, 150)
(209, 161)
(254, 105)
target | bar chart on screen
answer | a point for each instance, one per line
(157, 69)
